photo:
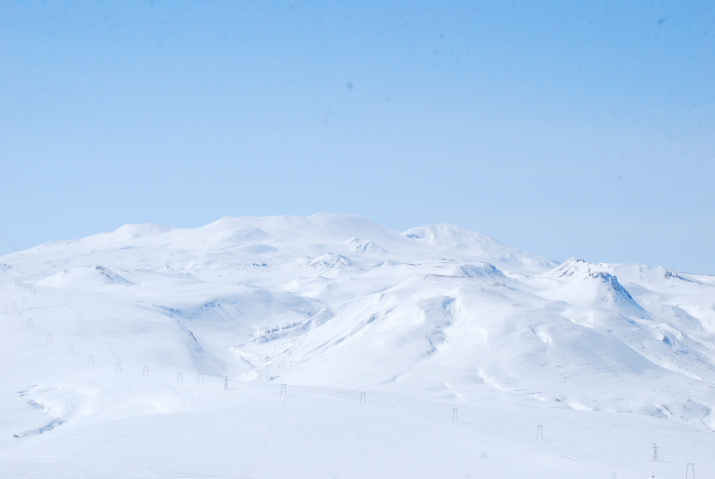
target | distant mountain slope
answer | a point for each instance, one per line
(338, 301)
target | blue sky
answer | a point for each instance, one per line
(563, 128)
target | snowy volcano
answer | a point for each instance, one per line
(252, 347)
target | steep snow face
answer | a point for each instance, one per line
(584, 285)
(570, 267)
(613, 292)
(438, 313)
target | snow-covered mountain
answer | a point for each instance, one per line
(438, 314)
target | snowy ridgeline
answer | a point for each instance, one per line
(152, 340)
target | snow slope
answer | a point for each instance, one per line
(121, 345)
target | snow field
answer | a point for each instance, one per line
(608, 358)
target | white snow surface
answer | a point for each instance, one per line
(244, 348)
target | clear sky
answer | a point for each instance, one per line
(563, 128)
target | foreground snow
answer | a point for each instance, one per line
(117, 348)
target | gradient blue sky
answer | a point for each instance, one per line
(563, 128)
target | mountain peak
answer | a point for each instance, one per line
(570, 267)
